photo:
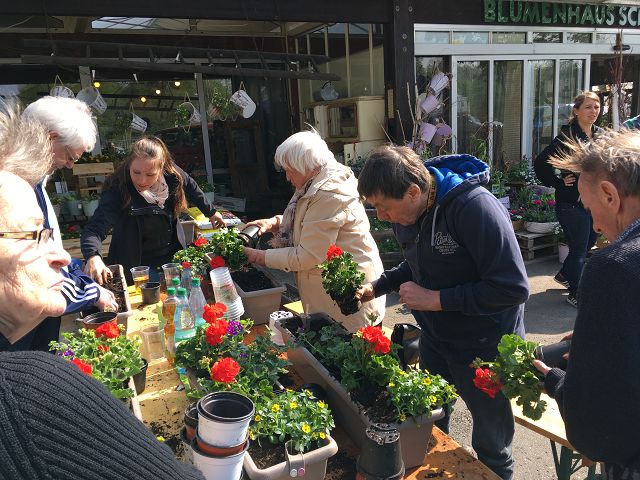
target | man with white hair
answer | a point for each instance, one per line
(599, 393)
(71, 132)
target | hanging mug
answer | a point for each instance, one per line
(427, 131)
(59, 90)
(242, 99)
(429, 104)
(438, 82)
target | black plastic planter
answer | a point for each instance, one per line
(381, 457)
(140, 378)
(553, 355)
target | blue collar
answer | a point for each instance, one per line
(628, 231)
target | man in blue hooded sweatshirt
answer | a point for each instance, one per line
(463, 276)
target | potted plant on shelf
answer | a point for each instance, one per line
(513, 374)
(499, 189)
(563, 248)
(539, 209)
(105, 354)
(74, 206)
(517, 218)
(207, 189)
(55, 204)
(365, 383)
(341, 279)
(90, 204)
(68, 232)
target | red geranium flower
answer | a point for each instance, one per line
(211, 312)
(200, 242)
(103, 348)
(217, 262)
(108, 330)
(216, 330)
(334, 251)
(486, 381)
(376, 337)
(83, 366)
(225, 370)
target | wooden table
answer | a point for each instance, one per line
(163, 403)
(551, 426)
(72, 246)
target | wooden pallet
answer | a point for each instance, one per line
(536, 245)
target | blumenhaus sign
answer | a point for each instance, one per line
(547, 13)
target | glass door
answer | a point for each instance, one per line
(541, 104)
(507, 112)
(472, 107)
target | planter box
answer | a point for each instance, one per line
(414, 432)
(117, 270)
(314, 463)
(391, 259)
(258, 305)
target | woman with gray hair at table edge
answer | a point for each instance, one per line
(57, 422)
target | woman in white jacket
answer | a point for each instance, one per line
(324, 210)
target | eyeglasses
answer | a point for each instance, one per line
(70, 155)
(42, 236)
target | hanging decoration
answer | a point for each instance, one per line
(430, 132)
(59, 89)
(91, 96)
(242, 99)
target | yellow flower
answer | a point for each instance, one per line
(391, 384)
(306, 428)
(322, 435)
(321, 404)
(252, 436)
(402, 372)
(433, 399)
(275, 408)
(293, 405)
(258, 418)
(426, 381)
(403, 417)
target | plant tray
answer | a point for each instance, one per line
(314, 462)
(415, 432)
(259, 304)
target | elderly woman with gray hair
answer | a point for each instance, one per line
(324, 210)
(57, 422)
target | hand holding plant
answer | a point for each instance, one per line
(341, 279)
(513, 374)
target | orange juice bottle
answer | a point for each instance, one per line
(168, 312)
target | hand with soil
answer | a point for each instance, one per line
(97, 270)
(365, 293)
(107, 300)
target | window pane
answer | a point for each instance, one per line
(542, 73)
(547, 37)
(378, 60)
(359, 61)
(507, 112)
(571, 75)
(508, 37)
(578, 37)
(472, 107)
(470, 37)
(432, 37)
(606, 38)
(631, 38)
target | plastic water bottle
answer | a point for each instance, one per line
(168, 312)
(197, 302)
(183, 318)
(185, 277)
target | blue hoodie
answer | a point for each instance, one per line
(465, 247)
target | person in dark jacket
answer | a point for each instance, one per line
(574, 219)
(463, 276)
(599, 394)
(142, 200)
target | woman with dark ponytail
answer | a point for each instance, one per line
(141, 201)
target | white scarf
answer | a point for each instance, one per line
(284, 237)
(158, 193)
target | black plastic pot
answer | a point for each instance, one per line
(94, 320)
(140, 378)
(191, 420)
(380, 457)
(553, 355)
(150, 292)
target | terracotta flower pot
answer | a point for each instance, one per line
(209, 449)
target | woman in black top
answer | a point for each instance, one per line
(575, 221)
(142, 200)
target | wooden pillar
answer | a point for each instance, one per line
(400, 72)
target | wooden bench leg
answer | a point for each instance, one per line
(567, 463)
